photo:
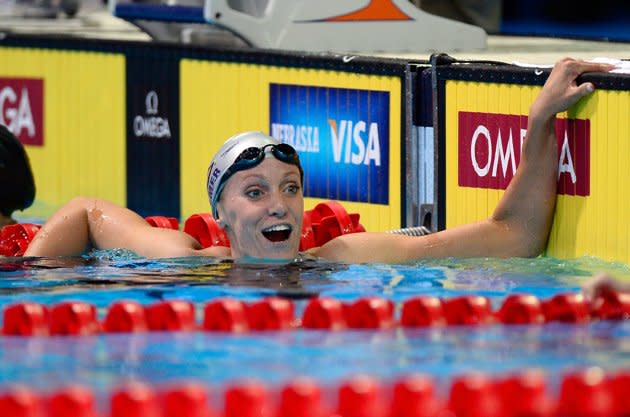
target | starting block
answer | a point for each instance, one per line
(361, 26)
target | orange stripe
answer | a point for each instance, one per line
(376, 10)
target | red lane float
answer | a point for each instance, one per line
(225, 315)
(72, 401)
(414, 396)
(134, 400)
(125, 317)
(73, 318)
(188, 399)
(271, 313)
(25, 319)
(275, 313)
(467, 310)
(422, 311)
(521, 309)
(588, 392)
(475, 395)
(171, 315)
(15, 238)
(361, 396)
(301, 397)
(163, 222)
(324, 313)
(568, 308)
(525, 394)
(20, 401)
(205, 229)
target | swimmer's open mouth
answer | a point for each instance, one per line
(278, 232)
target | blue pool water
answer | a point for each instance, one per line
(103, 361)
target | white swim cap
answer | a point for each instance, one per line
(227, 156)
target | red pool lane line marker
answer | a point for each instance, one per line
(225, 315)
(275, 313)
(370, 313)
(475, 395)
(247, 399)
(134, 400)
(74, 401)
(414, 396)
(324, 313)
(521, 309)
(26, 319)
(19, 401)
(125, 317)
(361, 396)
(468, 310)
(301, 397)
(189, 399)
(73, 318)
(171, 315)
(586, 393)
(620, 387)
(271, 313)
(525, 394)
(567, 308)
(422, 311)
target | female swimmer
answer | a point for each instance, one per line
(255, 191)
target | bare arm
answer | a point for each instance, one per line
(105, 225)
(520, 224)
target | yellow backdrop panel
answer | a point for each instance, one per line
(83, 150)
(220, 99)
(593, 225)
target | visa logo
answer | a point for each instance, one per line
(355, 143)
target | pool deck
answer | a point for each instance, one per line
(95, 21)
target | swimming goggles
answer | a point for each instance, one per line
(253, 156)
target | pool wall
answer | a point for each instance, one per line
(402, 142)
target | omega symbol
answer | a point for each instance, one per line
(151, 102)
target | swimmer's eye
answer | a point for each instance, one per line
(293, 189)
(254, 193)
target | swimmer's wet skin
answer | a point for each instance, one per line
(255, 190)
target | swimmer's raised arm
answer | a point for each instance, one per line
(84, 221)
(520, 224)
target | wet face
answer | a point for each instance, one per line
(261, 210)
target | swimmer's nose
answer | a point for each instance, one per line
(278, 208)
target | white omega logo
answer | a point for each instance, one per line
(151, 125)
(151, 102)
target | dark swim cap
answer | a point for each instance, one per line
(17, 187)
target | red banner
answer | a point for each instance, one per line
(490, 150)
(22, 108)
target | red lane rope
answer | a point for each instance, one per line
(275, 313)
(583, 392)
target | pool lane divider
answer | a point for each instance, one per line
(325, 313)
(582, 392)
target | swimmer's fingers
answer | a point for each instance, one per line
(561, 90)
(602, 283)
(582, 67)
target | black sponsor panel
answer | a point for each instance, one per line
(153, 171)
